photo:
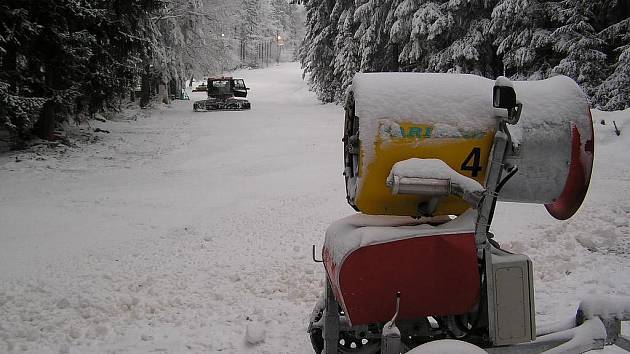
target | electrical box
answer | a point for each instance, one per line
(513, 310)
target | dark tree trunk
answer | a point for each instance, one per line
(47, 121)
(173, 89)
(156, 84)
(393, 64)
(9, 66)
(145, 93)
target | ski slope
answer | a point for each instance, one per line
(183, 232)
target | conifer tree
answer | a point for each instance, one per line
(68, 57)
(400, 33)
(454, 36)
(251, 31)
(377, 52)
(346, 62)
(317, 49)
(614, 92)
(578, 42)
(522, 38)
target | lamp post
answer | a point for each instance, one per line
(223, 59)
(279, 44)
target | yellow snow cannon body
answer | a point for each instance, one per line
(392, 117)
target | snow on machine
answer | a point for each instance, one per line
(427, 157)
(224, 93)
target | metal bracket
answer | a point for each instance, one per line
(331, 321)
(315, 259)
(492, 181)
(499, 146)
(390, 339)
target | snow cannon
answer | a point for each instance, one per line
(427, 157)
(392, 117)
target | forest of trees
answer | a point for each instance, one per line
(587, 40)
(74, 58)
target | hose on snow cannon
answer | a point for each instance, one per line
(392, 117)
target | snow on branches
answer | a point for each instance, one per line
(587, 40)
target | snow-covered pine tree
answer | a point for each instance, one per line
(454, 36)
(196, 47)
(524, 39)
(614, 92)
(19, 29)
(316, 52)
(280, 16)
(365, 32)
(347, 60)
(392, 53)
(75, 56)
(400, 32)
(577, 41)
(220, 37)
(251, 31)
(298, 29)
(286, 21)
(520, 29)
(180, 46)
(377, 52)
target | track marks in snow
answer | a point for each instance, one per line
(182, 282)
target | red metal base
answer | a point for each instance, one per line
(436, 275)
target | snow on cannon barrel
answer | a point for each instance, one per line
(392, 117)
(552, 145)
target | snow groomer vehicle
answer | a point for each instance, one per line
(224, 93)
(427, 157)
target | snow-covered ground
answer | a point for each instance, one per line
(191, 232)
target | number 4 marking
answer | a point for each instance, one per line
(475, 168)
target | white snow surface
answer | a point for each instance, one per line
(576, 337)
(549, 104)
(503, 81)
(432, 168)
(178, 229)
(606, 307)
(255, 333)
(447, 346)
